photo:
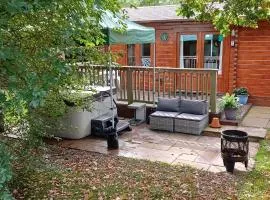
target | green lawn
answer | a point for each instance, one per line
(256, 184)
(74, 174)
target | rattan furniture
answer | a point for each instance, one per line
(162, 120)
(190, 123)
(176, 115)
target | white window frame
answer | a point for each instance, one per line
(181, 63)
(221, 52)
(145, 60)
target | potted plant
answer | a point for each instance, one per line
(242, 94)
(229, 103)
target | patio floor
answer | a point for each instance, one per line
(202, 152)
(258, 116)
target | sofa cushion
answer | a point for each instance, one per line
(170, 105)
(192, 117)
(164, 114)
(196, 107)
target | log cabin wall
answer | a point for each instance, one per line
(120, 51)
(253, 63)
(168, 52)
(245, 56)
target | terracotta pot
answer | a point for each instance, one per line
(230, 113)
(215, 123)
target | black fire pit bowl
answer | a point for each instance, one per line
(234, 148)
(234, 135)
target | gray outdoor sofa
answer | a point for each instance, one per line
(180, 115)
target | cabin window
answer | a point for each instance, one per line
(213, 51)
(146, 59)
(188, 51)
(131, 54)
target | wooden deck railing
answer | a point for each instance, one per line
(141, 85)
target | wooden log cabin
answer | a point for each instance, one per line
(242, 59)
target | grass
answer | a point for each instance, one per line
(73, 174)
(256, 184)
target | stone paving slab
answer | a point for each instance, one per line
(255, 121)
(202, 152)
(258, 116)
(150, 154)
(255, 133)
(260, 109)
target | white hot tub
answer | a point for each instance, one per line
(77, 122)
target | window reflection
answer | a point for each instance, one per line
(213, 51)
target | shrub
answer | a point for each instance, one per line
(240, 91)
(5, 172)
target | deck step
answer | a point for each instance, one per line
(242, 112)
(255, 134)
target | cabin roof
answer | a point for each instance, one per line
(153, 13)
(160, 13)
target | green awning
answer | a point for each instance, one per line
(134, 33)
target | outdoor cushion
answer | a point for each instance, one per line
(192, 117)
(196, 107)
(170, 105)
(164, 114)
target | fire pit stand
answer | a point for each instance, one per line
(234, 148)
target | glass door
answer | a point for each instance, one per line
(213, 51)
(188, 51)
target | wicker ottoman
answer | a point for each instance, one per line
(190, 123)
(163, 120)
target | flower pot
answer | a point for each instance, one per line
(215, 123)
(243, 99)
(230, 113)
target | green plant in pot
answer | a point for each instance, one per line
(229, 103)
(242, 94)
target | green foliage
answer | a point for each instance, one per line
(1, 122)
(227, 13)
(228, 101)
(79, 98)
(34, 37)
(137, 3)
(33, 72)
(240, 91)
(5, 172)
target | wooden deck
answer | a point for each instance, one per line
(146, 84)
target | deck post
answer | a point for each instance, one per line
(129, 86)
(213, 92)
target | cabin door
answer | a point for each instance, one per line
(188, 51)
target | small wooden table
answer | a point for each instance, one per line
(140, 112)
